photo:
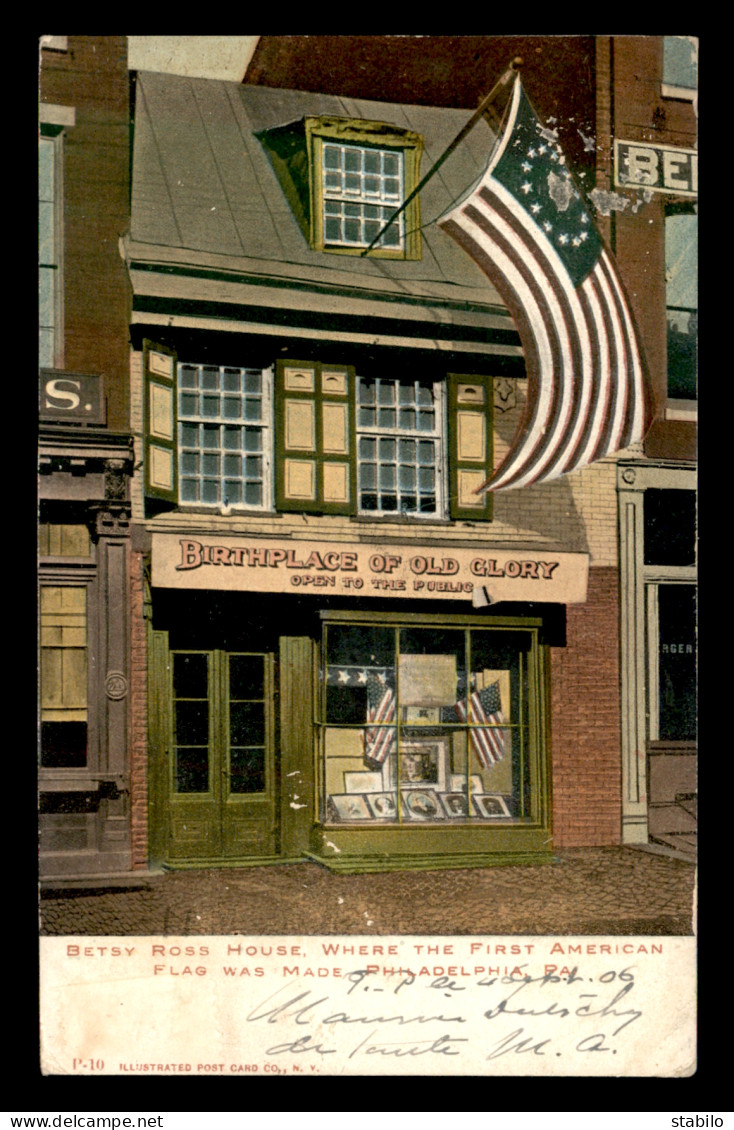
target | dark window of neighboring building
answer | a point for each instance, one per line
(49, 251)
(677, 662)
(670, 527)
(64, 698)
(681, 289)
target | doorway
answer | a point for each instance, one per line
(220, 780)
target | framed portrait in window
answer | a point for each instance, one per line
(382, 805)
(491, 807)
(423, 764)
(456, 805)
(422, 804)
(349, 807)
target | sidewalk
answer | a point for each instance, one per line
(618, 890)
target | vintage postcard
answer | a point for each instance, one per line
(367, 555)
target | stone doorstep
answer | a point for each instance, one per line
(104, 881)
(672, 848)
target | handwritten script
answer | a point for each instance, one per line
(497, 1015)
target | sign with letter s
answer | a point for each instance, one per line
(77, 397)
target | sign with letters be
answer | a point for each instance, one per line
(76, 397)
(662, 168)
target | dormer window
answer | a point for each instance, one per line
(345, 179)
(361, 189)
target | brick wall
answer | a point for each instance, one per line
(585, 720)
(138, 718)
(91, 76)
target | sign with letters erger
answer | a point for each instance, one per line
(662, 168)
(355, 569)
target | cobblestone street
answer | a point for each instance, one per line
(616, 890)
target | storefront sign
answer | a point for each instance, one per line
(663, 168)
(355, 569)
(71, 396)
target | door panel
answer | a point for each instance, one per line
(248, 809)
(221, 779)
(193, 786)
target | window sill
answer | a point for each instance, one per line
(400, 520)
(679, 93)
(226, 511)
(682, 410)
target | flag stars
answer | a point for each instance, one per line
(362, 677)
(526, 166)
(343, 676)
(547, 226)
(563, 239)
(527, 187)
(535, 208)
(532, 152)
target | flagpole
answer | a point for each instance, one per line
(481, 108)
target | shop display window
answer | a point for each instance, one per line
(426, 724)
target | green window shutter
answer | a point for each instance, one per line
(470, 444)
(315, 437)
(160, 416)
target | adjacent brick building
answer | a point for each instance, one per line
(85, 459)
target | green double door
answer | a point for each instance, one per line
(220, 773)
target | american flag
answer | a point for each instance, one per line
(528, 228)
(485, 708)
(379, 741)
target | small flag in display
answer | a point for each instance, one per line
(379, 741)
(485, 709)
(527, 227)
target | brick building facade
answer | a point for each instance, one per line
(85, 459)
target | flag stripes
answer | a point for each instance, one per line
(587, 394)
(379, 740)
(488, 743)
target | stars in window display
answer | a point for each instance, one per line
(356, 676)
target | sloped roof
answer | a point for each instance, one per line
(210, 221)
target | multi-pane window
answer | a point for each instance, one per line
(49, 252)
(399, 442)
(429, 724)
(224, 436)
(361, 189)
(310, 436)
(681, 278)
(64, 674)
